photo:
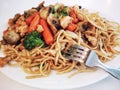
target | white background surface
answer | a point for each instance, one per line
(106, 6)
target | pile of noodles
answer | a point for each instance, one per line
(39, 62)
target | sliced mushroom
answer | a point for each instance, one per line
(29, 12)
(41, 5)
(11, 37)
(65, 21)
(44, 12)
(53, 23)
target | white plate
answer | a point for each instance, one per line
(107, 8)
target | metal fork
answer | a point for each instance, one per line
(90, 58)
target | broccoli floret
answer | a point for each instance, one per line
(32, 40)
(65, 11)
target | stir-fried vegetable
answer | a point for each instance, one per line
(44, 12)
(71, 27)
(65, 11)
(55, 10)
(53, 23)
(34, 23)
(32, 40)
(30, 18)
(61, 10)
(45, 21)
(46, 33)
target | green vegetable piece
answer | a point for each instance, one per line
(65, 11)
(56, 7)
(32, 40)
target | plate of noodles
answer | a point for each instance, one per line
(35, 35)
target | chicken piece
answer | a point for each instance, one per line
(65, 21)
(13, 20)
(22, 27)
(4, 61)
(11, 37)
(92, 40)
(16, 17)
(86, 26)
(91, 37)
(88, 31)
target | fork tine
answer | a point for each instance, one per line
(76, 50)
(80, 47)
(72, 54)
(77, 53)
(75, 58)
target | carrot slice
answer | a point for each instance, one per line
(30, 18)
(34, 23)
(47, 35)
(71, 27)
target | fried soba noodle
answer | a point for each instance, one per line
(92, 31)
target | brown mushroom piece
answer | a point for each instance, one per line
(44, 12)
(53, 23)
(41, 5)
(11, 37)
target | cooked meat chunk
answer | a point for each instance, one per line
(4, 60)
(16, 17)
(92, 40)
(65, 21)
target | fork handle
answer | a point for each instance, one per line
(114, 72)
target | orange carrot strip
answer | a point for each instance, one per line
(34, 23)
(47, 35)
(71, 27)
(30, 18)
